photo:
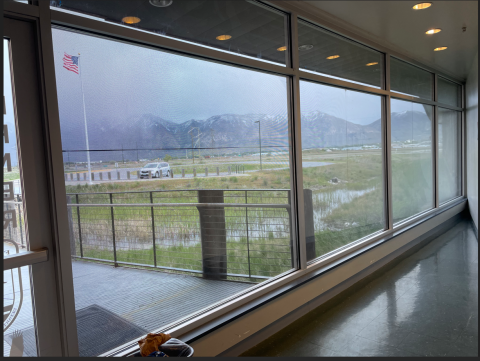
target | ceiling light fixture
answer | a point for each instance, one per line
(305, 47)
(433, 31)
(131, 20)
(224, 37)
(282, 48)
(422, 6)
(440, 48)
(161, 3)
(333, 57)
(370, 64)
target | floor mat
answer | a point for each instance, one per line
(100, 330)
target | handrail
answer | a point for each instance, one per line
(25, 259)
(204, 205)
(189, 190)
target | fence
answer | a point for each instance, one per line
(175, 172)
(221, 234)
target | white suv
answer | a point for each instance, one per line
(155, 169)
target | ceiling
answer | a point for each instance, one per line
(394, 24)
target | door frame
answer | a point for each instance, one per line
(38, 132)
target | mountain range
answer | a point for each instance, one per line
(228, 133)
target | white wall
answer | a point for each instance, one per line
(471, 96)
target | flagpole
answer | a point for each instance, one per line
(86, 128)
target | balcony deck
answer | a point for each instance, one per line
(137, 300)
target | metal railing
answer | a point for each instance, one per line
(217, 233)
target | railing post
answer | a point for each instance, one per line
(214, 235)
(218, 171)
(113, 232)
(171, 173)
(79, 228)
(206, 172)
(183, 173)
(93, 176)
(128, 174)
(109, 174)
(161, 174)
(101, 175)
(153, 232)
(229, 169)
(70, 228)
(248, 243)
(194, 172)
(20, 222)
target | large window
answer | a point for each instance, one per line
(194, 156)
(449, 155)
(449, 93)
(246, 28)
(332, 55)
(412, 158)
(410, 80)
(342, 166)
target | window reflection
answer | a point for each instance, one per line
(412, 157)
(342, 166)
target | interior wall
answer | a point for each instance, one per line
(471, 97)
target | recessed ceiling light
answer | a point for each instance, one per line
(370, 64)
(224, 37)
(333, 57)
(305, 47)
(433, 31)
(282, 48)
(161, 3)
(422, 6)
(131, 20)
(440, 48)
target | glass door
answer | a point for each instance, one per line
(31, 302)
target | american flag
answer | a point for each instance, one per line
(70, 63)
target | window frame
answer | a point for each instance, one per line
(47, 17)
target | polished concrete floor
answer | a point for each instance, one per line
(427, 305)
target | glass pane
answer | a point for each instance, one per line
(449, 93)
(245, 28)
(188, 132)
(342, 166)
(449, 154)
(332, 55)
(18, 318)
(412, 157)
(410, 80)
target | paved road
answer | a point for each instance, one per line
(121, 175)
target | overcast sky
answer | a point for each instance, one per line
(122, 80)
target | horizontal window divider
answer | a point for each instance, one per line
(449, 106)
(19, 8)
(145, 38)
(411, 98)
(288, 280)
(308, 76)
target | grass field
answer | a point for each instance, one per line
(343, 211)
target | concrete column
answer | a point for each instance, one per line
(171, 173)
(161, 174)
(78, 176)
(309, 225)
(183, 173)
(128, 174)
(101, 175)
(194, 172)
(71, 176)
(149, 174)
(109, 175)
(118, 175)
(214, 235)
(206, 172)
(93, 176)
(218, 171)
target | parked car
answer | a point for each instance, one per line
(155, 168)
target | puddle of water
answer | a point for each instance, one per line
(325, 202)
